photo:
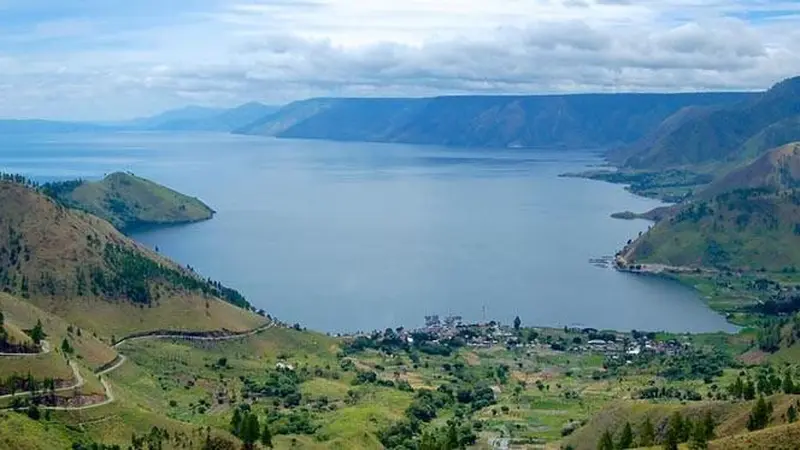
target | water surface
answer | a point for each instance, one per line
(354, 236)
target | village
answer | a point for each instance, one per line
(452, 331)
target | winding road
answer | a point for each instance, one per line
(120, 360)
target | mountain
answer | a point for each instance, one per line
(574, 121)
(721, 134)
(748, 219)
(79, 267)
(197, 118)
(128, 201)
(178, 116)
(776, 170)
(45, 126)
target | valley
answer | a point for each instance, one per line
(107, 343)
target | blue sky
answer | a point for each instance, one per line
(110, 59)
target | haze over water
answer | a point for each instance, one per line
(355, 236)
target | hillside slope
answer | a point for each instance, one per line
(720, 135)
(71, 263)
(749, 219)
(575, 121)
(128, 201)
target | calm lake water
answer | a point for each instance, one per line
(353, 236)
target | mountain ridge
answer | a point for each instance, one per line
(573, 121)
(726, 134)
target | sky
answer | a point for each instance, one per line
(111, 59)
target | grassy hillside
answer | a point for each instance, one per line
(128, 201)
(777, 170)
(730, 419)
(79, 267)
(748, 219)
(747, 230)
(722, 135)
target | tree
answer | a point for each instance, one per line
(791, 414)
(675, 431)
(66, 348)
(606, 441)
(452, 437)
(626, 438)
(760, 415)
(266, 436)
(708, 426)
(236, 423)
(517, 323)
(737, 388)
(250, 431)
(699, 437)
(37, 333)
(647, 434)
(788, 383)
(749, 392)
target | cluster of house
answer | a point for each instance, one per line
(623, 345)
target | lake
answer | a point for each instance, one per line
(357, 236)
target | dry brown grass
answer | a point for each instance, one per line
(59, 242)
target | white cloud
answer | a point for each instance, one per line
(98, 63)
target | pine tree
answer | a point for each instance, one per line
(626, 438)
(647, 434)
(517, 323)
(788, 383)
(699, 438)
(250, 431)
(791, 414)
(708, 426)
(266, 436)
(737, 388)
(749, 392)
(452, 437)
(675, 431)
(236, 423)
(606, 442)
(37, 333)
(760, 415)
(66, 348)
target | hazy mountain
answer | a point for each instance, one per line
(722, 134)
(45, 126)
(576, 121)
(198, 118)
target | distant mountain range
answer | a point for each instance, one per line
(190, 118)
(198, 118)
(44, 126)
(572, 121)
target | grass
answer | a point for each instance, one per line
(18, 432)
(128, 201)
(54, 248)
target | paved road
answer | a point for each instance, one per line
(109, 394)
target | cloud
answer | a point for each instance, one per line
(99, 61)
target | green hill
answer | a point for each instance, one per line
(748, 219)
(721, 134)
(128, 201)
(79, 267)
